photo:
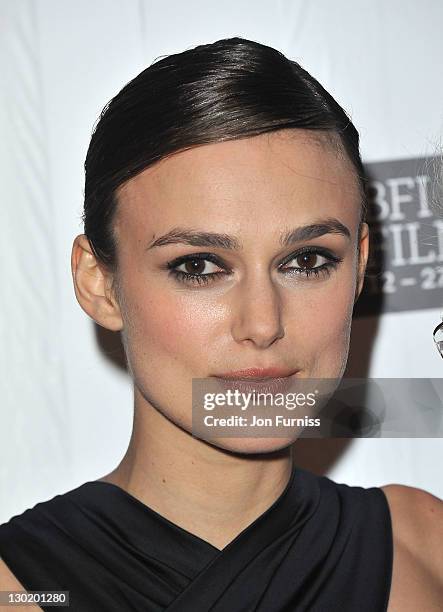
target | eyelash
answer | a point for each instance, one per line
(204, 279)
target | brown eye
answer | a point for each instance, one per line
(194, 266)
(307, 260)
(198, 266)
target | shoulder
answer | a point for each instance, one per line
(417, 515)
(8, 582)
(33, 543)
(417, 528)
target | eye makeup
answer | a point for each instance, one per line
(312, 262)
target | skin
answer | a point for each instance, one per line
(254, 316)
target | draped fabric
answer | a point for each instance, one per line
(321, 546)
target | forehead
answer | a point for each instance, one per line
(292, 175)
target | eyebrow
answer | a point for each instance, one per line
(196, 238)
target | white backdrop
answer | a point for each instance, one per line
(66, 410)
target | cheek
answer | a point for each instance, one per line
(172, 327)
(320, 327)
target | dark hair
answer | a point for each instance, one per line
(233, 88)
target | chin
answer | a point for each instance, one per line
(252, 446)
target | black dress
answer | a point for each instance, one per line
(321, 546)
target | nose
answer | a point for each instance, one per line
(258, 313)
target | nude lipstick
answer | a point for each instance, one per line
(262, 380)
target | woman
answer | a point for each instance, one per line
(225, 240)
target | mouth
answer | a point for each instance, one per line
(261, 380)
(256, 373)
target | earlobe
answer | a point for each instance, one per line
(363, 258)
(92, 286)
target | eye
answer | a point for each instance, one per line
(197, 266)
(310, 261)
(197, 269)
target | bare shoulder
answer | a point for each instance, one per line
(417, 525)
(8, 582)
(417, 516)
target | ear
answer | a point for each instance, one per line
(363, 258)
(93, 286)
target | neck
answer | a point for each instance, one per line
(208, 491)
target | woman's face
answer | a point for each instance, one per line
(254, 300)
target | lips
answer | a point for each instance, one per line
(257, 373)
(260, 380)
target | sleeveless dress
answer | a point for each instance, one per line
(321, 546)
